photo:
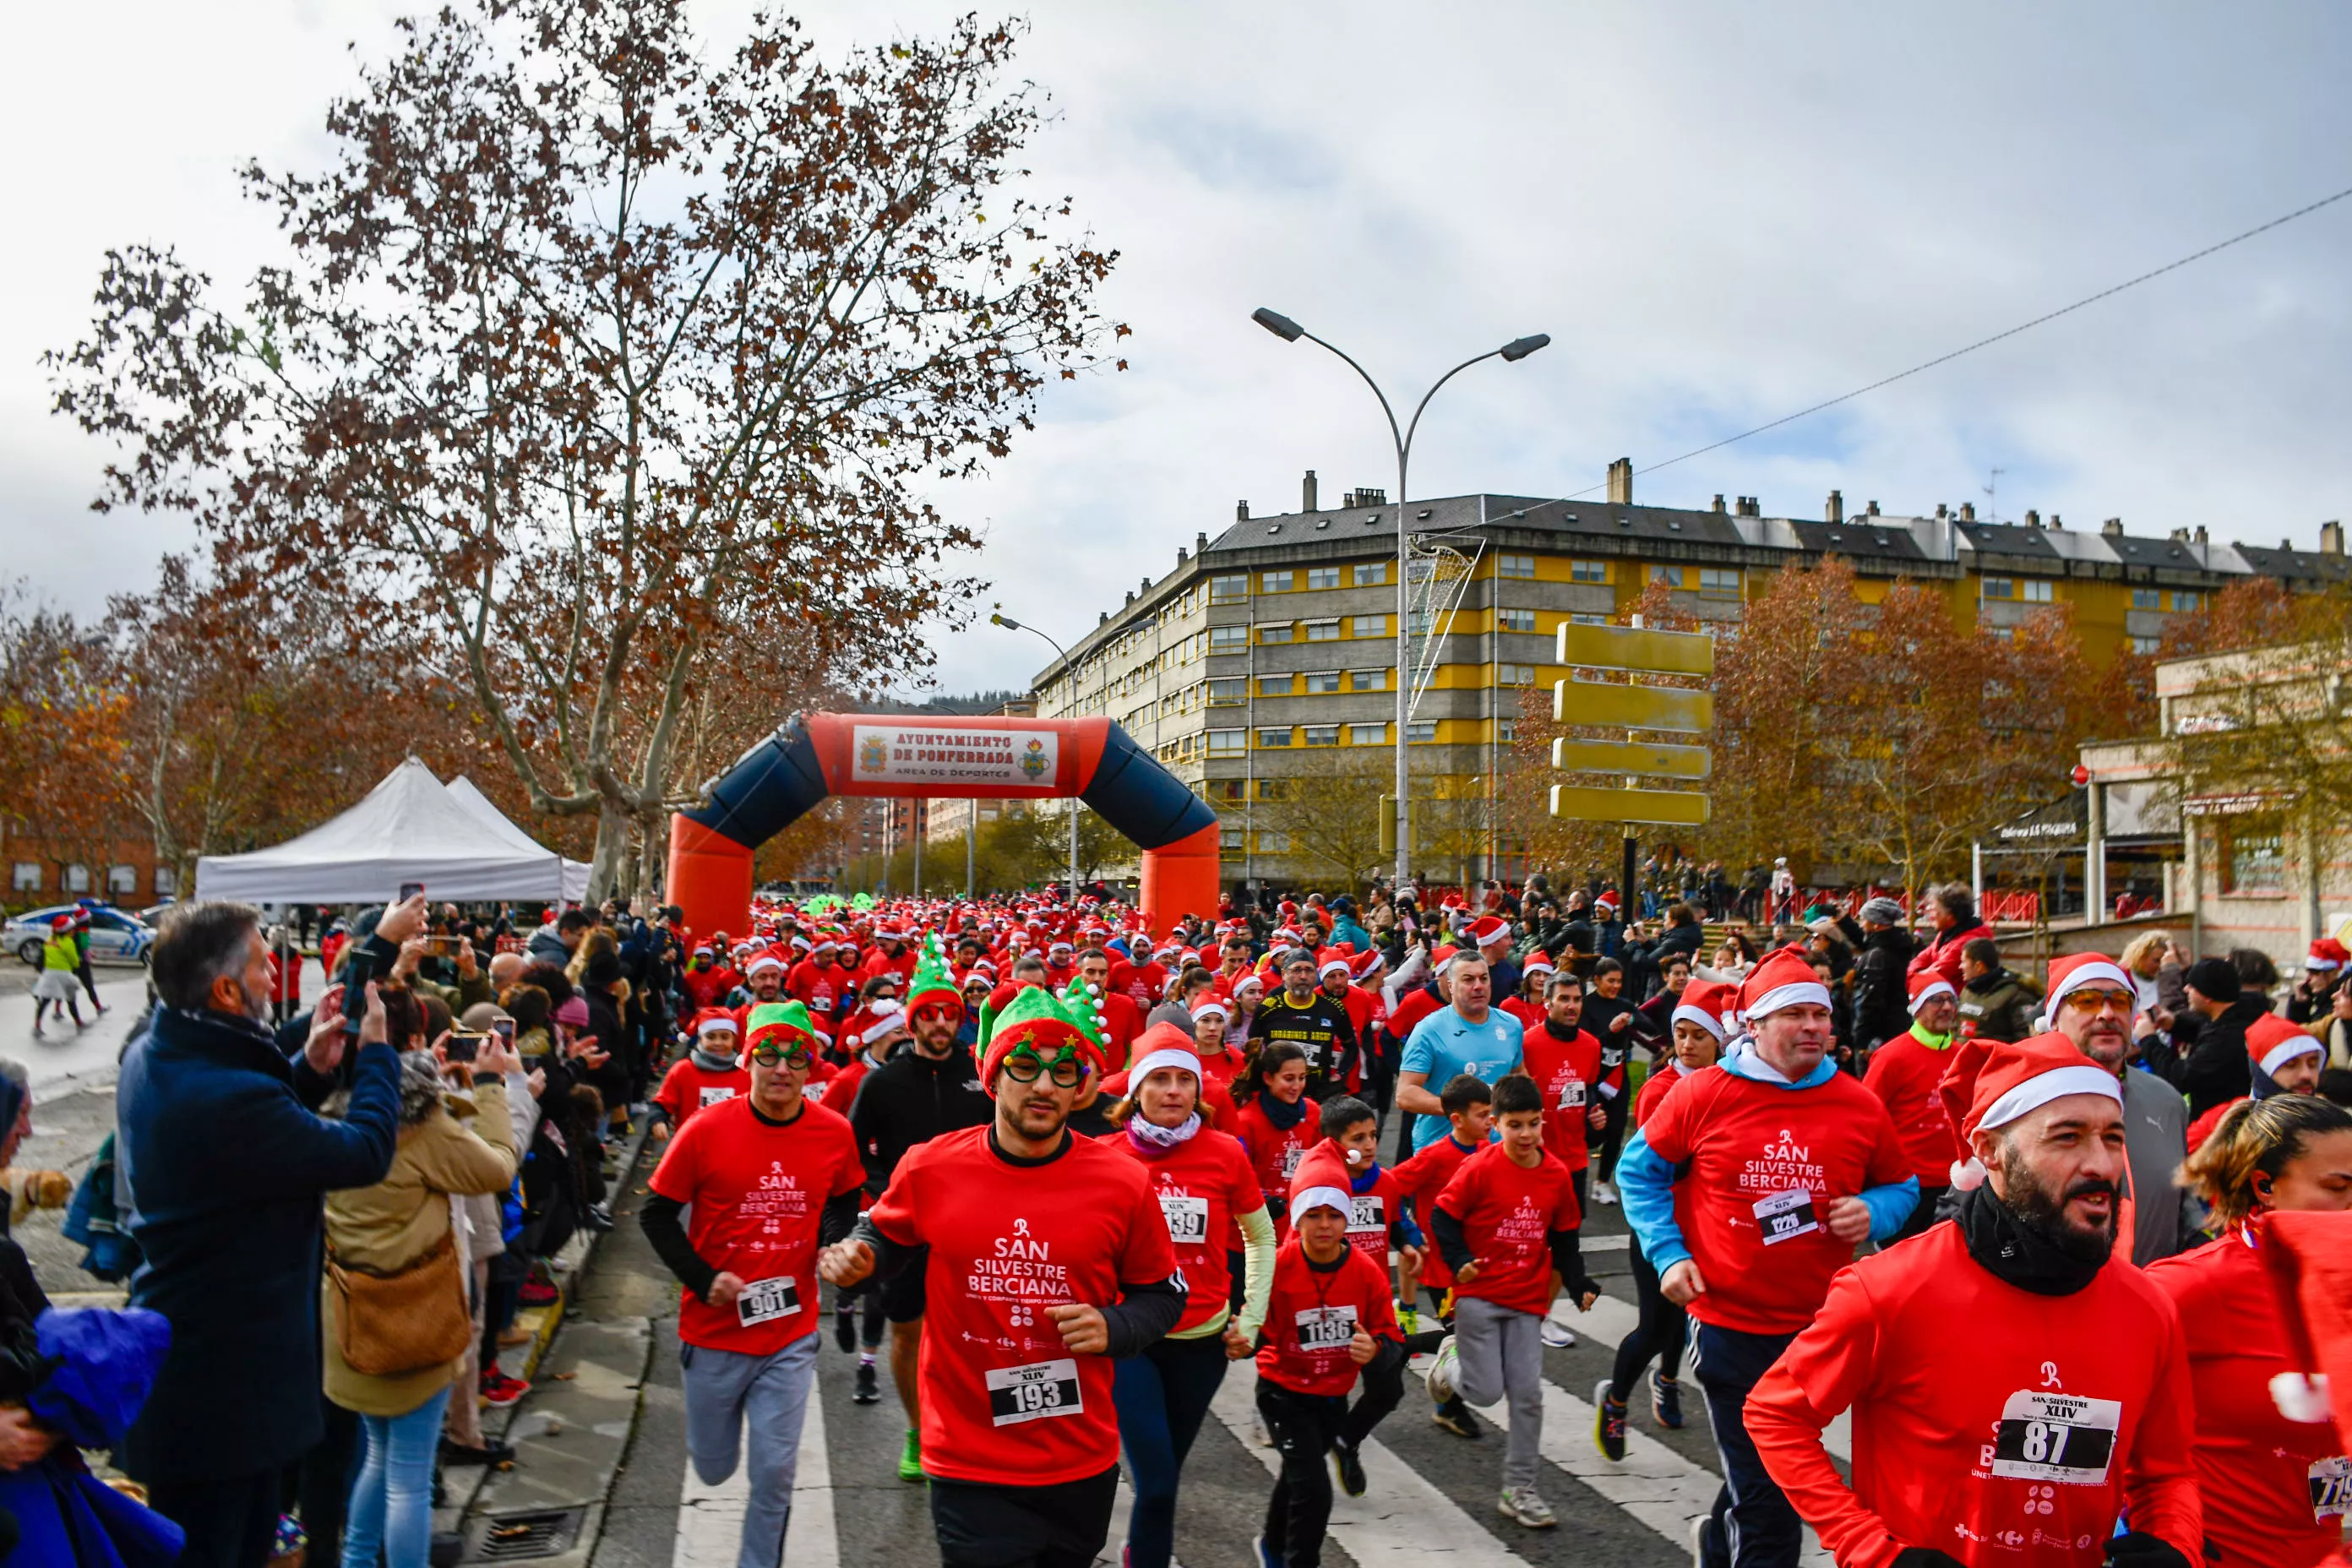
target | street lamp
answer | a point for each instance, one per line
(1009, 624)
(1517, 349)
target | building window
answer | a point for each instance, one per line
(1367, 680)
(1718, 582)
(1588, 620)
(1999, 633)
(1519, 620)
(1228, 789)
(2034, 591)
(1273, 738)
(1672, 576)
(1273, 789)
(1515, 565)
(1322, 682)
(1274, 582)
(26, 876)
(1515, 674)
(1228, 742)
(1418, 623)
(2187, 601)
(2148, 599)
(1999, 588)
(1322, 631)
(1274, 631)
(1367, 626)
(1228, 693)
(167, 882)
(1370, 574)
(76, 880)
(1321, 735)
(2145, 644)
(2253, 860)
(1228, 590)
(1507, 730)
(1426, 729)
(1367, 734)
(1274, 685)
(1230, 838)
(1588, 571)
(1322, 576)
(122, 879)
(1274, 843)
(1228, 639)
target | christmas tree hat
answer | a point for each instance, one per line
(932, 982)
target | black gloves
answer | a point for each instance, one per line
(1926, 1557)
(2134, 1550)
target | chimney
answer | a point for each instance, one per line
(1241, 512)
(1147, 585)
(1835, 512)
(1719, 500)
(2112, 528)
(2331, 539)
(1130, 595)
(1750, 506)
(1179, 555)
(1201, 544)
(1941, 512)
(1872, 510)
(1307, 493)
(2199, 534)
(1968, 511)
(2057, 523)
(1620, 482)
(2032, 518)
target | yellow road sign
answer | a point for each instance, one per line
(1632, 707)
(1632, 647)
(1659, 759)
(1673, 807)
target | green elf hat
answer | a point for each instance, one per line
(932, 984)
(782, 1023)
(1035, 1017)
(1083, 1002)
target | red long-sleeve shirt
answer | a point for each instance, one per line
(1997, 1425)
(1904, 1073)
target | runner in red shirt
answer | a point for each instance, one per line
(1565, 1062)
(1046, 1256)
(2285, 1059)
(766, 1175)
(1278, 1124)
(1327, 1322)
(2069, 1401)
(704, 980)
(819, 983)
(1904, 1073)
(2275, 1491)
(1205, 1188)
(1749, 1190)
(709, 1073)
(1528, 1007)
(1508, 1225)
(1122, 1020)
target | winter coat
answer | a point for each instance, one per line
(2217, 1069)
(1882, 998)
(1999, 1005)
(1942, 953)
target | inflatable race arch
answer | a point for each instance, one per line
(815, 755)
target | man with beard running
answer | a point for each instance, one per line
(1046, 1256)
(2069, 1405)
(1317, 1023)
(913, 1097)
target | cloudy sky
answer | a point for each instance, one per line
(1720, 213)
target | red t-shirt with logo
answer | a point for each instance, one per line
(1654, 1089)
(690, 1090)
(1421, 1179)
(1202, 1185)
(1765, 1161)
(1568, 1073)
(1508, 1212)
(1274, 1152)
(821, 990)
(1004, 1403)
(1375, 1207)
(1311, 1318)
(757, 1192)
(1904, 1074)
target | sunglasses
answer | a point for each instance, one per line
(2093, 1001)
(1066, 1070)
(798, 1058)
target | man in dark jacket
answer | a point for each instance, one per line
(1995, 1004)
(1882, 984)
(2217, 1069)
(228, 1163)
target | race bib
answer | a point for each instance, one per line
(1032, 1393)
(1571, 1094)
(713, 1096)
(1784, 1216)
(765, 1301)
(1327, 1328)
(1290, 1158)
(1366, 1213)
(1187, 1220)
(2056, 1437)
(2331, 1488)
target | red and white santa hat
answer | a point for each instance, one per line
(1782, 980)
(1539, 962)
(1707, 1003)
(1214, 1002)
(2076, 970)
(2328, 955)
(1369, 963)
(2272, 1041)
(1928, 983)
(714, 1021)
(1991, 1083)
(762, 961)
(1488, 930)
(1338, 958)
(885, 1017)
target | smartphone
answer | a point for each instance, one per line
(464, 1045)
(356, 976)
(442, 946)
(409, 890)
(504, 1029)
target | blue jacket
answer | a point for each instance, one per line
(228, 1164)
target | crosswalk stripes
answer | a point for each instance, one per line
(710, 1518)
(1609, 1322)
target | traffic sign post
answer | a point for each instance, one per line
(1634, 650)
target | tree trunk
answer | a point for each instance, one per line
(612, 849)
(653, 846)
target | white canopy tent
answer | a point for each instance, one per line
(409, 829)
(575, 872)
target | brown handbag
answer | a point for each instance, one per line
(403, 1321)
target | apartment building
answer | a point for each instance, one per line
(1272, 646)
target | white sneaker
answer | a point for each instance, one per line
(1604, 1194)
(1441, 1370)
(1258, 1434)
(1521, 1503)
(1556, 1334)
(1698, 1540)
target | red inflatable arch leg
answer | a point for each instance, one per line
(709, 879)
(1179, 879)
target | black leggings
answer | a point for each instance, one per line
(1658, 1335)
(869, 1328)
(1061, 1526)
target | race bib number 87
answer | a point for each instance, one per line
(2056, 1437)
(1032, 1393)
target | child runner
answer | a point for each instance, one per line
(1469, 1112)
(708, 1074)
(1276, 1128)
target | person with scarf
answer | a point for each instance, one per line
(2071, 1405)
(2275, 1490)
(706, 1076)
(1205, 1189)
(1904, 1073)
(1276, 1127)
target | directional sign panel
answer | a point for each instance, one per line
(1633, 648)
(1632, 707)
(1671, 807)
(1659, 759)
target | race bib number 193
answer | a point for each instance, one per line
(1032, 1393)
(2056, 1437)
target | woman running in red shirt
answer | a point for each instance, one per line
(1276, 1127)
(2276, 1491)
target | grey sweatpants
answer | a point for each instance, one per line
(725, 1392)
(1500, 1357)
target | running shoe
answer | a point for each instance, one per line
(1440, 1371)
(1666, 1401)
(1604, 1194)
(1455, 1417)
(910, 1456)
(1264, 1554)
(869, 1385)
(1409, 1319)
(1350, 1465)
(1556, 1334)
(538, 1294)
(499, 1390)
(1607, 1424)
(1702, 1533)
(1522, 1504)
(844, 1330)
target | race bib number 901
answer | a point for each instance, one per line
(1032, 1393)
(2056, 1437)
(1188, 1219)
(764, 1300)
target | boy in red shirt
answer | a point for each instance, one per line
(709, 1073)
(769, 1176)
(1506, 1224)
(1328, 1320)
(1469, 1109)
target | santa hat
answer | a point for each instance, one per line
(1489, 930)
(1705, 1003)
(780, 1024)
(1251, 981)
(1369, 962)
(763, 961)
(1606, 901)
(1321, 1196)
(884, 1019)
(1163, 1046)
(1991, 1083)
(2076, 970)
(713, 1021)
(2328, 955)
(1784, 980)
(1332, 958)
(2272, 1042)
(1926, 984)
(2308, 1254)
(1539, 963)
